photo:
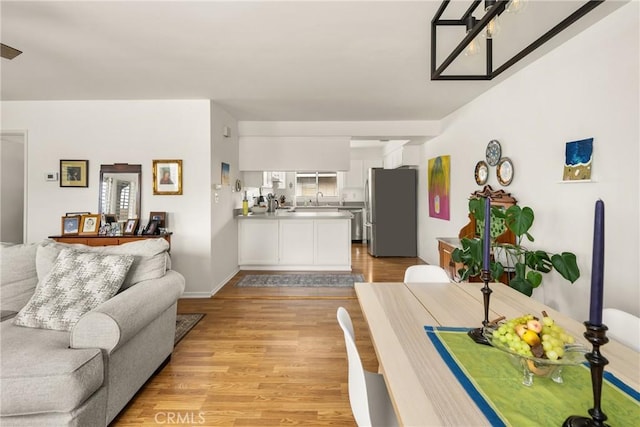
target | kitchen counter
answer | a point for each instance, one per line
(284, 214)
(301, 241)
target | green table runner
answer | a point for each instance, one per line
(496, 386)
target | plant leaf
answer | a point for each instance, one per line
(519, 220)
(521, 285)
(566, 265)
(538, 260)
(476, 207)
(534, 278)
(496, 270)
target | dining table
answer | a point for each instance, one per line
(424, 389)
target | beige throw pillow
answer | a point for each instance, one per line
(77, 283)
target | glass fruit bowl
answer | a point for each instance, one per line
(530, 366)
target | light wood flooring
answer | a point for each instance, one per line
(264, 356)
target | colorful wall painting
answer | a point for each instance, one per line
(578, 158)
(438, 172)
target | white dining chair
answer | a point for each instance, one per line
(370, 402)
(623, 327)
(425, 274)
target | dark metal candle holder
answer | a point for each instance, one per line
(477, 334)
(597, 336)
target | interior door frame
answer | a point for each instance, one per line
(22, 134)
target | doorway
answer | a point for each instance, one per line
(13, 185)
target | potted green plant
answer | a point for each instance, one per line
(525, 266)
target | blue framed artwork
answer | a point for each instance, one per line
(577, 160)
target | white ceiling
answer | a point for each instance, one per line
(269, 60)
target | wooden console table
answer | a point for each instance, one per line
(108, 240)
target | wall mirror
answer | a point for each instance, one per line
(120, 190)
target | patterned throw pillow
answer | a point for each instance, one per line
(77, 283)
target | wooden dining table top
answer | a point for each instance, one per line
(423, 389)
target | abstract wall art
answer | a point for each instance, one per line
(577, 160)
(438, 172)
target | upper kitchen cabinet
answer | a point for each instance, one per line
(407, 155)
(354, 177)
(290, 153)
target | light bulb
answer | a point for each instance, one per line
(473, 48)
(493, 27)
(515, 6)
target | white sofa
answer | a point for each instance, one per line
(85, 376)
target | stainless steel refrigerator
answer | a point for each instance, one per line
(391, 212)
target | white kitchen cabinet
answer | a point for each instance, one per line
(296, 242)
(353, 178)
(258, 242)
(305, 241)
(408, 155)
(331, 248)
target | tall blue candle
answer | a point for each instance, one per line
(597, 267)
(486, 253)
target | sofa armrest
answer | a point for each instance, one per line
(117, 320)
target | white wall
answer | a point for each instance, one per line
(224, 228)
(136, 132)
(587, 87)
(12, 186)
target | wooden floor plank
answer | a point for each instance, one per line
(264, 356)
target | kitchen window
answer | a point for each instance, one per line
(308, 184)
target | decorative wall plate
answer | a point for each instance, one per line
(504, 171)
(482, 172)
(493, 153)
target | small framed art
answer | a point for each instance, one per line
(74, 173)
(167, 177)
(70, 225)
(152, 227)
(161, 217)
(89, 225)
(131, 226)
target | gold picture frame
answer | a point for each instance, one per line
(89, 225)
(167, 177)
(74, 173)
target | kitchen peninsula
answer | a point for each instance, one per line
(287, 240)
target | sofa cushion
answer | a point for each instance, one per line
(17, 275)
(77, 283)
(39, 373)
(151, 258)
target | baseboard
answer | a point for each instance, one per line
(224, 282)
(196, 295)
(213, 291)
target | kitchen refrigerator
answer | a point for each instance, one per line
(391, 212)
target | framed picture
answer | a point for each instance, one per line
(161, 217)
(74, 173)
(224, 178)
(110, 218)
(152, 227)
(70, 225)
(89, 225)
(167, 177)
(130, 227)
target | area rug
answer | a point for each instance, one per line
(311, 280)
(184, 323)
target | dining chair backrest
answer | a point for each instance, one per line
(357, 382)
(425, 274)
(623, 327)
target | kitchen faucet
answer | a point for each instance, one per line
(320, 193)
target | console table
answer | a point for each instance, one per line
(108, 240)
